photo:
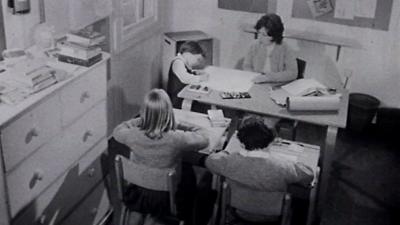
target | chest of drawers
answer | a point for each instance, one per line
(52, 166)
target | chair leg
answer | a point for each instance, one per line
(124, 216)
(296, 123)
(287, 210)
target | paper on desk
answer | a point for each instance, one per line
(303, 86)
(229, 80)
(283, 155)
(279, 96)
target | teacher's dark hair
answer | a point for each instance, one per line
(273, 24)
(254, 134)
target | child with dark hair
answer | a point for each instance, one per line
(254, 134)
(181, 71)
(251, 166)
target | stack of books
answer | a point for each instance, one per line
(81, 48)
(37, 78)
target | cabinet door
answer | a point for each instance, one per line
(92, 210)
(42, 168)
(59, 199)
(81, 95)
(30, 131)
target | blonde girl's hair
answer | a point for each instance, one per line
(157, 114)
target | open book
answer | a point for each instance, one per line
(304, 87)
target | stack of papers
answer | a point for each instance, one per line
(304, 87)
(217, 118)
(299, 87)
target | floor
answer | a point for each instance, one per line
(365, 180)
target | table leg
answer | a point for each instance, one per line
(327, 157)
(187, 104)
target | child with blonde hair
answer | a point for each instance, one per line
(156, 140)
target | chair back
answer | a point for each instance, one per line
(301, 67)
(273, 205)
(146, 177)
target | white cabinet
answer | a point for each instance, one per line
(53, 146)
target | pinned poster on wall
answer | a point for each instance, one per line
(374, 14)
(256, 6)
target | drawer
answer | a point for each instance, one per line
(83, 94)
(59, 199)
(50, 161)
(92, 210)
(30, 131)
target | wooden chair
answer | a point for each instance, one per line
(313, 198)
(146, 177)
(254, 202)
(287, 126)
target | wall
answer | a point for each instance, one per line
(375, 69)
(19, 28)
(132, 72)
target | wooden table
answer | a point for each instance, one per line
(261, 103)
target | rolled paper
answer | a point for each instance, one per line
(313, 103)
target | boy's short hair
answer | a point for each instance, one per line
(157, 114)
(191, 47)
(254, 134)
(273, 24)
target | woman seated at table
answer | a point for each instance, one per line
(270, 55)
(251, 166)
(156, 141)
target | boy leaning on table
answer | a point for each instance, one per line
(253, 166)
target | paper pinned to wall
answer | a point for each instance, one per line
(365, 8)
(344, 9)
(319, 7)
(230, 80)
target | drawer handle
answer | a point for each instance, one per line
(86, 135)
(30, 135)
(84, 95)
(37, 176)
(91, 172)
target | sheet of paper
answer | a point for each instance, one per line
(365, 8)
(344, 9)
(284, 155)
(319, 7)
(223, 79)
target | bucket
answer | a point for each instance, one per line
(362, 109)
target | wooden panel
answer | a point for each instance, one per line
(57, 201)
(380, 22)
(83, 94)
(36, 173)
(256, 6)
(29, 132)
(92, 210)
